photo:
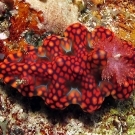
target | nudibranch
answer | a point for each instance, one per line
(74, 69)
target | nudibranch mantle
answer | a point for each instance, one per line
(67, 70)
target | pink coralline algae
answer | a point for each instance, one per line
(80, 68)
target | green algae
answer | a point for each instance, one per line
(3, 125)
(119, 120)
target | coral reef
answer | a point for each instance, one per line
(96, 2)
(12, 30)
(28, 18)
(117, 16)
(38, 17)
(58, 14)
(22, 115)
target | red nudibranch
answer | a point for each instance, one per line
(80, 68)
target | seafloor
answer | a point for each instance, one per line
(29, 116)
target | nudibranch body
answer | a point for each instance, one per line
(68, 70)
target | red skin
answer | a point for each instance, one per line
(63, 71)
